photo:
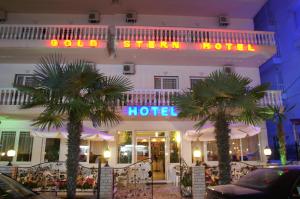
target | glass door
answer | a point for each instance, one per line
(157, 146)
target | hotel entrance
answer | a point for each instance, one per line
(153, 145)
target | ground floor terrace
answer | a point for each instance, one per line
(165, 142)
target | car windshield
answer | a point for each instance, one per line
(9, 188)
(260, 178)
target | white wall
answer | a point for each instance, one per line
(119, 19)
(144, 77)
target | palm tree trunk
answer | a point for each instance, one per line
(74, 133)
(222, 138)
(281, 140)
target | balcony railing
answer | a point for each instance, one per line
(48, 32)
(194, 35)
(144, 33)
(142, 97)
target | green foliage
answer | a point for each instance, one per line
(72, 92)
(187, 180)
(223, 98)
(278, 115)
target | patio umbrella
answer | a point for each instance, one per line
(87, 133)
(207, 133)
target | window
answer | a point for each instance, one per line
(195, 80)
(96, 149)
(247, 147)
(24, 80)
(7, 143)
(174, 146)
(52, 150)
(165, 82)
(24, 147)
(84, 149)
(125, 147)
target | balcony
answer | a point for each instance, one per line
(25, 43)
(11, 99)
(139, 44)
(173, 45)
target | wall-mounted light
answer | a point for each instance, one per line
(197, 155)
(10, 154)
(267, 151)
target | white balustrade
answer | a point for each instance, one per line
(48, 32)
(193, 35)
(138, 97)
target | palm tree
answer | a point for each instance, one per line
(72, 92)
(278, 116)
(222, 98)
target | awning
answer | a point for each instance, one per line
(207, 133)
(88, 133)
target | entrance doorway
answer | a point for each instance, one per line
(152, 145)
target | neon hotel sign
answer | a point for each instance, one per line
(155, 111)
(75, 43)
(181, 45)
(154, 45)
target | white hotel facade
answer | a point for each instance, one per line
(170, 46)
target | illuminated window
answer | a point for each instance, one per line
(166, 82)
(84, 149)
(247, 147)
(124, 147)
(96, 151)
(52, 150)
(7, 143)
(24, 147)
(174, 146)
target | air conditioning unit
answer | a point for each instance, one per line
(228, 69)
(131, 17)
(128, 69)
(3, 16)
(223, 21)
(94, 17)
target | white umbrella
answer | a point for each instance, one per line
(207, 133)
(62, 133)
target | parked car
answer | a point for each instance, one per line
(267, 183)
(11, 189)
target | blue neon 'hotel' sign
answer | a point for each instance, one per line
(156, 111)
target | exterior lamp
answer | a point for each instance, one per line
(197, 155)
(107, 155)
(178, 137)
(10, 154)
(267, 152)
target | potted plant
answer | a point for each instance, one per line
(186, 184)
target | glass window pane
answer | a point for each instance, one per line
(7, 142)
(84, 149)
(142, 148)
(52, 150)
(157, 83)
(29, 81)
(251, 148)
(174, 146)
(170, 83)
(25, 147)
(125, 147)
(235, 150)
(212, 151)
(97, 149)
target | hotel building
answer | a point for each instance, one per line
(163, 47)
